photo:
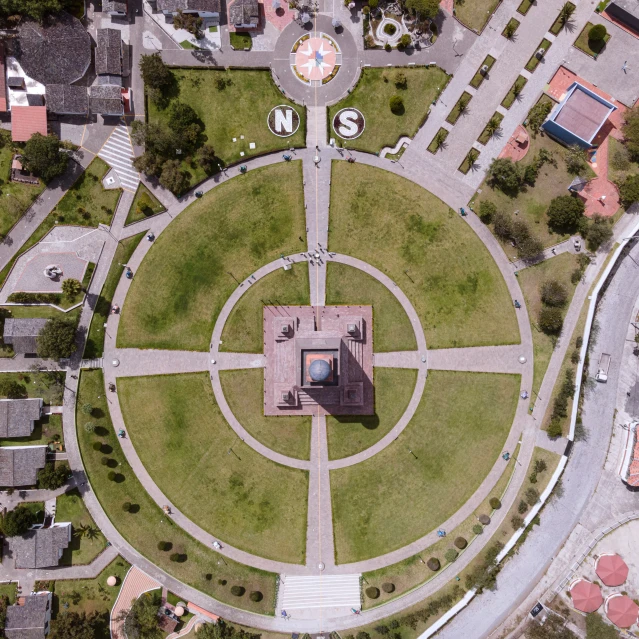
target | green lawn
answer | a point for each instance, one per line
(530, 279)
(244, 329)
(241, 108)
(230, 232)
(95, 595)
(134, 215)
(350, 434)
(512, 95)
(475, 15)
(95, 340)
(515, 25)
(437, 144)
(479, 77)
(84, 548)
(241, 40)
(486, 133)
(87, 203)
(559, 23)
(464, 98)
(392, 330)
(620, 166)
(532, 203)
(288, 434)
(591, 47)
(48, 386)
(15, 198)
(147, 526)
(241, 497)
(455, 437)
(535, 60)
(371, 96)
(9, 590)
(46, 430)
(524, 7)
(428, 250)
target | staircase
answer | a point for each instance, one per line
(92, 363)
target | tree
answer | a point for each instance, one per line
(510, 29)
(504, 174)
(487, 210)
(404, 41)
(553, 628)
(183, 121)
(144, 205)
(12, 389)
(629, 190)
(173, 178)
(57, 339)
(36, 9)
(599, 232)
(223, 630)
(532, 496)
(73, 625)
(630, 130)
(503, 225)
(427, 9)
(155, 74)
(87, 409)
(597, 628)
(551, 320)
(492, 126)
(71, 288)
(43, 157)
(554, 429)
(17, 521)
(537, 116)
(401, 82)
(553, 293)
(576, 160)
(141, 621)
(597, 33)
(188, 21)
(52, 477)
(566, 12)
(565, 212)
(396, 104)
(206, 158)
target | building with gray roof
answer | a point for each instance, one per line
(22, 333)
(19, 465)
(18, 416)
(58, 51)
(114, 7)
(108, 54)
(106, 99)
(626, 11)
(31, 619)
(245, 14)
(67, 99)
(41, 547)
(204, 8)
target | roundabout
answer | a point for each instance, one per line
(228, 458)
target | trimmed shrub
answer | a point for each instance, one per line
(237, 591)
(87, 409)
(532, 496)
(388, 587)
(89, 427)
(387, 47)
(175, 557)
(104, 461)
(256, 596)
(451, 555)
(396, 104)
(540, 465)
(404, 41)
(597, 33)
(522, 507)
(461, 543)
(126, 506)
(433, 564)
(97, 446)
(111, 475)
(487, 210)
(554, 429)
(484, 519)
(551, 321)
(222, 582)
(372, 592)
(516, 522)
(553, 293)
(495, 504)
(478, 529)
(164, 545)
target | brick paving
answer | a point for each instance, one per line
(135, 583)
(517, 146)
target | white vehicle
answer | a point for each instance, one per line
(577, 245)
(602, 369)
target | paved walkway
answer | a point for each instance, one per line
(117, 152)
(135, 583)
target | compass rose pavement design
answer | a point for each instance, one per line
(315, 59)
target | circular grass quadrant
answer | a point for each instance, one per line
(396, 496)
(239, 496)
(244, 329)
(392, 330)
(188, 274)
(428, 250)
(288, 434)
(351, 434)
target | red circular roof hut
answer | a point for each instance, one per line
(612, 569)
(585, 596)
(621, 610)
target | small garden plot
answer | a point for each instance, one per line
(144, 205)
(489, 130)
(562, 19)
(480, 76)
(524, 7)
(460, 107)
(620, 164)
(515, 92)
(469, 161)
(536, 57)
(438, 141)
(589, 45)
(242, 41)
(475, 15)
(511, 28)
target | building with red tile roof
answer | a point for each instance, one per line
(27, 120)
(629, 467)
(3, 82)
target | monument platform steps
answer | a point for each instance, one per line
(329, 397)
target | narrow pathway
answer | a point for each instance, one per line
(479, 359)
(136, 362)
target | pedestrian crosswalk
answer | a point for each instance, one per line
(321, 591)
(118, 153)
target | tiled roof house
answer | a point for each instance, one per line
(18, 416)
(19, 465)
